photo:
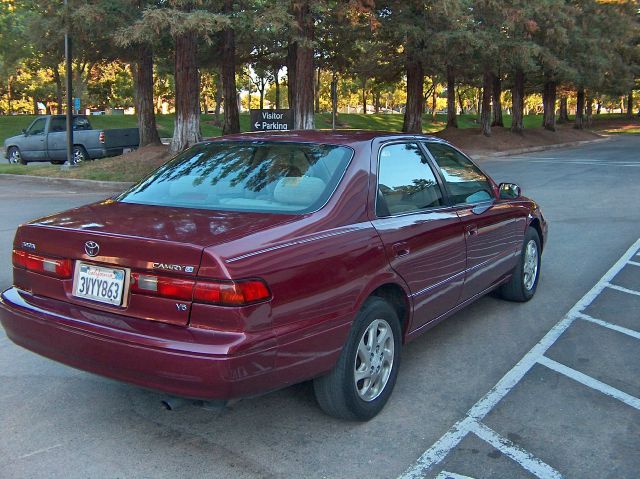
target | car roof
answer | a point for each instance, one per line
(330, 137)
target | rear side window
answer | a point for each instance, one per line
(464, 180)
(406, 182)
(242, 176)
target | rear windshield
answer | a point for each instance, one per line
(241, 176)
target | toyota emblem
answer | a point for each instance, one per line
(92, 248)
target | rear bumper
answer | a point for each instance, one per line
(188, 362)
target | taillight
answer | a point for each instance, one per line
(60, 268)
(101, 137)
(231, 294)
(162, 286)
(223, 293)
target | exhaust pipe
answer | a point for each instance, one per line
(172, 403)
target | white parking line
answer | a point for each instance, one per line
(39, 451)
(439, 450)
(451, 475)
(615, 327)
(624, 290)
(593, 383)
(532, 464)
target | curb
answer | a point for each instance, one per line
(532, 149)
(89, 184)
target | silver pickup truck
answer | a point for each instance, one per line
(46, 140)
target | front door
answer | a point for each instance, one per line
(490, 225)
(423, 237)
(33, 146)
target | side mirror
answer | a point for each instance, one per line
(24, 132)
(509, 191)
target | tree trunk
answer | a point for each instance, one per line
(303, 117)
(485, 114)
(187, 123)
(334, 100)
(364, 96)
(231, 111)
(415, 96)
(218, 98)
(497, 101)
(579, 122)
(291, 73)
(35, 105)
(261, 98)
(143, 82)
(517, 102)
(9, 95)
(598, 107)
(563, 117)
(376, 102)
(316, 92)
(434, 98)
(58, 80)
(460, 102)
(452, 114)
(588, 110)
(549, 103)
(276, 82)
(630, 104)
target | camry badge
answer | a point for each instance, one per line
(91, 248)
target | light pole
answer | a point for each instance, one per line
(68, 66)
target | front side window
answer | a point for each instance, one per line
(246, 176)
(463, 180)
(406, 182)
(38, 127)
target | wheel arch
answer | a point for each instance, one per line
(535, 224)
(398, 299)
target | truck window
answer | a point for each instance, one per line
(81, 123)
(37, 128)
(58, 124)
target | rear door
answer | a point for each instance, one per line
(423, 237)
(490, 226)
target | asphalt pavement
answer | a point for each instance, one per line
(548, 388)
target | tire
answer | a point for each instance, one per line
(57, 162)
(14, 156)
(524, 280)
(338, 393)
(79, 155)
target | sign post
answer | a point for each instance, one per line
(271, 120)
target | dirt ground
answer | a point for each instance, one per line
(473, 141)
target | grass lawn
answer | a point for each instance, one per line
(12, 125)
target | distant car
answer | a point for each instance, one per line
(46, 140)
(252, 262)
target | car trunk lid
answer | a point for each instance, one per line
(140, 239)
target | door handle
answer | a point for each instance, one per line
(400, 249)
(471, 230)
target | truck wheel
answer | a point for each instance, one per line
(14, 156)
(362, 380)
(79, 155)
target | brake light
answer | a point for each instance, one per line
(60, 268)
(223, 293)
(231, 294)
(162, 286)
(101, 137)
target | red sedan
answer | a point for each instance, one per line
(252, 262)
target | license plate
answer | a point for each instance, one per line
(99, 283)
